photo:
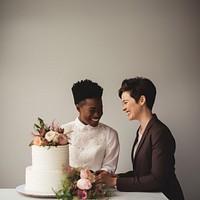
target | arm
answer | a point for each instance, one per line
(110, 160)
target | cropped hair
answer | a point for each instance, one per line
(86, 89)
(137, 87)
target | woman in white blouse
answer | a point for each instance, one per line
(93, 145)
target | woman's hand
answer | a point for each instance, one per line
(96, 173)
(107, 178)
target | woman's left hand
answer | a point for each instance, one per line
(107, 178)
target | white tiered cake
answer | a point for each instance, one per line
(45, 174)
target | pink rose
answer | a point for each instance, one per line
(62, 139)
(82, 194)
(86, 174)
(84, 184)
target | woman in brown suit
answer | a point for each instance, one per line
(153, 149)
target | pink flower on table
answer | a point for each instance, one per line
(84, 184)
(86, 174)
(82, 194)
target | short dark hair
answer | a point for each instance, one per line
(137, 87)
(86, 89)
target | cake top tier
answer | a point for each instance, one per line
(50, 158)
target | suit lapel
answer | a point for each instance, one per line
(143, 136)
(135, 142)
(141, 142)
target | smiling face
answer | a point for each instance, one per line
(90, 111)
(132, 108)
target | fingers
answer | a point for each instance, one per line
(98, 172)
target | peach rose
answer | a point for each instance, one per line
(84, 184)
(37, 141)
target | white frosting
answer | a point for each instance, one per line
(42, 181)
(49, 158)
(45, 174)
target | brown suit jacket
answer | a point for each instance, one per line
(153, 165)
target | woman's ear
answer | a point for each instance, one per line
(142, 100)
(77, 107)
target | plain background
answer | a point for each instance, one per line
(47, 45)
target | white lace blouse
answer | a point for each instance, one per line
(94, 148)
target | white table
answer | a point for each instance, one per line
(12, 194)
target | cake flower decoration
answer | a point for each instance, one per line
(48, 135)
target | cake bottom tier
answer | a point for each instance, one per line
(42, 181)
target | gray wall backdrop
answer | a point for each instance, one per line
(47, 45)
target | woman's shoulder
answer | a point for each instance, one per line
(156, 124)
(67, 124)
(68, 127)
(160, 130)
(160, 126)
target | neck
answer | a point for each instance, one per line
(144, 120)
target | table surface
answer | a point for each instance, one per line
(12, 194)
